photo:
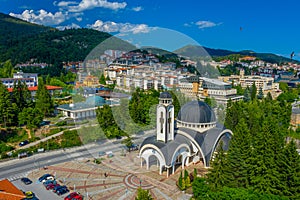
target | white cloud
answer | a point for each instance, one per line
(205, 24)
(202, 24)
(65, 3)
(138, 9)
(187, 24)
(113, 27)
(71, 26)
(73, 6)
(41, 17)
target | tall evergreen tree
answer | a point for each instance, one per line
(238, 156)
(217, 176)
(21, 95)
(5, 103)
(269, 97)
(290, 171)
(260, 93)
(247, 96)
(265, 171)
(102, 79)
(253, 91)
(143, 195)
(43, 100)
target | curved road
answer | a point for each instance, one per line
(15, 169)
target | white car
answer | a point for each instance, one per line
(48, 178)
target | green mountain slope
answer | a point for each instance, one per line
(12, 28)
(21, 41)
(196, 51)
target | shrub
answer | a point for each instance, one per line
(61, 123)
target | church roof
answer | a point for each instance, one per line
(168, 149)
(196, 112)
(165, 95)
(205, 140)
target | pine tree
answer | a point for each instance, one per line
(253, 91)
(238, 156)
(21, 95)
(247, 97)
(143, 195)
(186, 174)
(48, 79)
(269, 97)
(102, 79)
(5, 104)
(290, 171)
(195, 173)
(265, 169)
(180, 181)
(43, 100)
(187, 182)
(217, 176)
(183, 184)
(260, 93)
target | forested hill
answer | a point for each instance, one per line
(195, 51)
(22, 41)
(12, 28)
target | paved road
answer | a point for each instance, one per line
(55, 135)
(15, 169)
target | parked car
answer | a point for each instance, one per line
(29, 194)
(26, 181)
(62, 190)
(52, 186)
(78, 197)
(71, 196)
(118, 137)
(47, 182)
(102, 153)
(23, 143)
(48, 178)
(45, 177)
(55, 189)
(22, 155)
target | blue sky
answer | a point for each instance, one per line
(261, 26)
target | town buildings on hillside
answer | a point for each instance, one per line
(30, 79)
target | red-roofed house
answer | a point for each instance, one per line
(33, 90)
(10, 192)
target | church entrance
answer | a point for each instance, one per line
(153, 162)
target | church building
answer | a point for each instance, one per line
(191, 138)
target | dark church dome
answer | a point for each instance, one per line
(196, 112)
(165, 95)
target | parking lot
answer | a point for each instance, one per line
(38, 189)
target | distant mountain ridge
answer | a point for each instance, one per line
(21, 41)
(196, 51)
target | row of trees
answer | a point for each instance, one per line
(134, 115)
(19, 108)
(258, 160)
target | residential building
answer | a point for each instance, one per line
(201, 87)
(295, 117)
(51, 89)
(87, 109)
(90, 81)
(30, 79)
(213, 88)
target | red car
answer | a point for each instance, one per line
(78, 197)
(51, 186)
(73, 196)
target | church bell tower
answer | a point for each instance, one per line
(165, 118)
